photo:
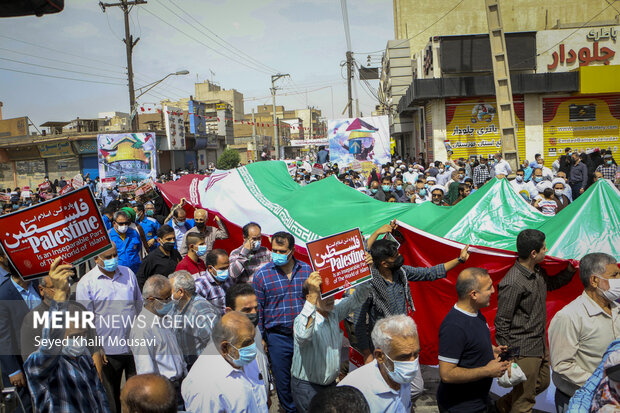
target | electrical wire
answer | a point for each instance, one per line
(59, 77)
(59, 69)
(54, 60)
(204, 44)
(61, 51)
(223, 40)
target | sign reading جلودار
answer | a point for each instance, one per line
(69, 227)
(340, 259)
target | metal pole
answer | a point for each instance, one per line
(276, 140)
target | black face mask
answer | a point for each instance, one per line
(253, 318)
(168, 246)
(200, 225)
(398, 263)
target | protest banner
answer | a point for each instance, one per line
(77, 181)
(108, 182)
(69, 227)
(66, 189)
(340, 259)
(317, 169)
(146, 191)
(4, 197)
(45, 186)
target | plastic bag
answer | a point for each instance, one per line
(516, 376)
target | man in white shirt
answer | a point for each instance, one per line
(520, 185)
(501, 166)
(162, 354)
(111, 292)
(230, 380)
(386, 381)
(581, 331)
(411, 176)
(546, 172)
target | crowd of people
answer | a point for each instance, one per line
(267, 334)
(447, 183)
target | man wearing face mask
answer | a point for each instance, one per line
(209, 234)
(519, 185)
(163, 356)
(608, 169)
(193, 262)
(390, 288)
(227, 378)
(213, 283)
(399, 191)
(194, 335)
(468, 361)
(250, 257)
(318, 339)
(421, 194)
(63, 377)
(163, 259)
(178, 221)
(127, 241)
(149, 226)
(411, 176)
(109, 290)
(278, 287)
(386, 381)
(502, 167)
(578, 177)
(242, 298)
(481, 172)
(582, 330)
(376, 192)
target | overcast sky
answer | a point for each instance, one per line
(303, 38)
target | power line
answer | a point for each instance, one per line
(204, 44)
(60, 77)
(59, 69)
(223, 40)
(61, 51)
(51, 59)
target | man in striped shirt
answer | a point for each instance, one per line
(278, 287)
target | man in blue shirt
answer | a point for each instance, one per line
(127, 241)
(148, 224)
(108, 195)
(278, 287)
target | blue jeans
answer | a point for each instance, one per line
(304, 391)
(280, 349)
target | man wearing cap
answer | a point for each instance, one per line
(608, 169)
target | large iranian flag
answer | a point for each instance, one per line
(489, 220)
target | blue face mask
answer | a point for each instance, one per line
(374, 190)
(422, 192)
(404, 371)
(74, 348)
(202, 250)
(149, 212)
(165, 309)
(110, 265)
(221, 275)
(399, 187)
(538, 179)
(385, 188)
(247, 354)
(180, 223)
(279, 259)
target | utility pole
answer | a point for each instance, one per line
(276, 138)
(254, 139)
(129, 45)
(310, 128)
(349, 69)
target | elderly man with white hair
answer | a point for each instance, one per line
(227, 379)
(386, 381)
(154, 346)
(582, 330)
(194, 316)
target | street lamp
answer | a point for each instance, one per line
(134, 110)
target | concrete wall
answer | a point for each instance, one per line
(413, 16)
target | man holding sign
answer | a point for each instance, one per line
(390, 294)
(318, 339)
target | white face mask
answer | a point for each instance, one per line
(122, 228)
(614, 288)
(558, 192)
(519, 178)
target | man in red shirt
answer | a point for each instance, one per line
(196, 248)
